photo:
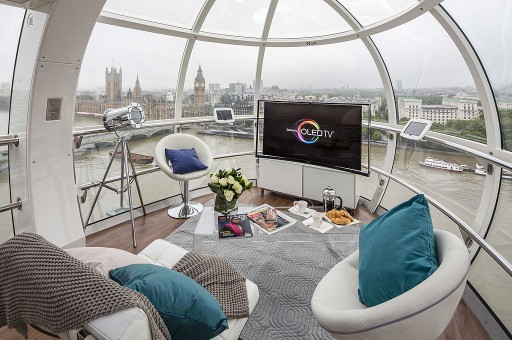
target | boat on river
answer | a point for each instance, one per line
(440, 164)
(136, 157)
(480, 170)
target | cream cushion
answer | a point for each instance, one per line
(105, 259)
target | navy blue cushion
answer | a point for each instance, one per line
(184, 160)
(396, 252)
(188, 310)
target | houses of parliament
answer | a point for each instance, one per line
(155, 107)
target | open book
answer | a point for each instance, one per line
(269, 219)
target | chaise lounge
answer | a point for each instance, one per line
(132, 323)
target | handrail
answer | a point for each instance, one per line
(96, 129)
(9, 139)
(502, 261)
(437, 140)
(156, 168)
(11, 206)
(167, 123)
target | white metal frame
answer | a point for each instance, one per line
(123, 20)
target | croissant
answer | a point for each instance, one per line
(339, 216)
(340, 220)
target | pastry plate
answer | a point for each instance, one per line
(354, 222)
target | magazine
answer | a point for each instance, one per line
(269, 219)
(234, 226)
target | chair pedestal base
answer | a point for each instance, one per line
(185, 210)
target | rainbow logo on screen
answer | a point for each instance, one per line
(308, 131)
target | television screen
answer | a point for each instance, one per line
(323, 134)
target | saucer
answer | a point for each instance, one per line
(307, 213)
(325, 226)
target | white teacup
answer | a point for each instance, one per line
(317, 218)
(301, 206)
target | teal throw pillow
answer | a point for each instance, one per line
(184, 160)
(189, 311)
(396, 252)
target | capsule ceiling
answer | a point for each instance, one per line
(292, 18)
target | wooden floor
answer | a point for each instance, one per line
(464, 325)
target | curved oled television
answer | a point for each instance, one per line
(328, 135)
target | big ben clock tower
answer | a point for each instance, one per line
(199, 93)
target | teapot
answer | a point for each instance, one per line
(329, 199)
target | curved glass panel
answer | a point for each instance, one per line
(368, 12)
(182, 13)
(6, 227)
(491, 281)
(340, 72)
(448, 176)
(378, 150)
(224, 139)
(491, 35)
(219, 75)
(396, 194)
(237, 17)
(305, 18)
(11, 20)
(120, 67)
(431, 79)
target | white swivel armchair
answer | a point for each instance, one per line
(420, 313)
(184, 141)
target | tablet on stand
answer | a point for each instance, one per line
(416, 128)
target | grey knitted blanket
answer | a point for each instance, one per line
(41, 284)
(220, 278)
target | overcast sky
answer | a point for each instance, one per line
(419, 53)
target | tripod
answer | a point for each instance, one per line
(125, 174)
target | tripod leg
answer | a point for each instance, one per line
(128, 187)
(123, 167)
(102, 183)
(134, 174)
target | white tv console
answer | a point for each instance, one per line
(307, 181)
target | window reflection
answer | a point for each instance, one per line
(11, 20)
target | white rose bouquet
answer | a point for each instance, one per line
(229, 183)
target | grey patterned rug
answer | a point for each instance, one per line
(286, 266)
